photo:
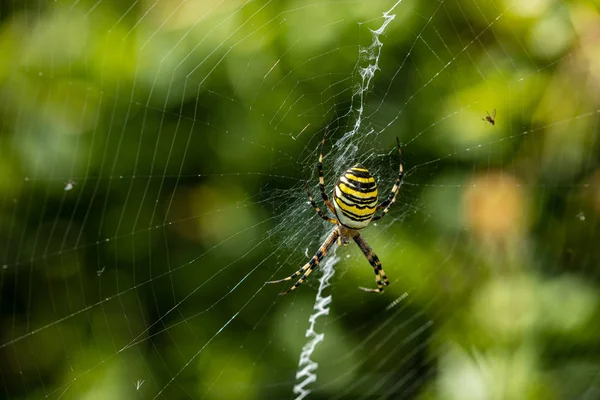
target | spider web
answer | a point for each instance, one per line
(153, 160)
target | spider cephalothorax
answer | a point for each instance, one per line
(354, 206)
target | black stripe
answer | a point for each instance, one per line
(368, 193)
(355, 217)
(360, 201)
(361, 186)
(360, 174)
(319, 255)
(358, 188)
(356, 200)
(356, 205)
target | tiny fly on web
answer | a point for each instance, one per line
(490, 118)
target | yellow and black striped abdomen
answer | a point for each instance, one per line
(355, 197)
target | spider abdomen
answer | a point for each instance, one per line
(355, 197)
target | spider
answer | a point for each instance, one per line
(354, 206)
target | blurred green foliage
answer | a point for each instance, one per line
(152, 155)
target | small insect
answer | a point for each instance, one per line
(69, 185)
(100, 271)
(490, 118)
(354, 207)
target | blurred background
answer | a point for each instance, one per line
(152, 160)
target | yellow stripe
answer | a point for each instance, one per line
(357, 211)
(360, 195)
(358, 179)
(359, 169)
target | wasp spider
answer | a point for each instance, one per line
(354, 206)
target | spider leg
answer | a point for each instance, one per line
(392, 197)
(321, 179)
(380, 276)
(312, 203)
(310, 266)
